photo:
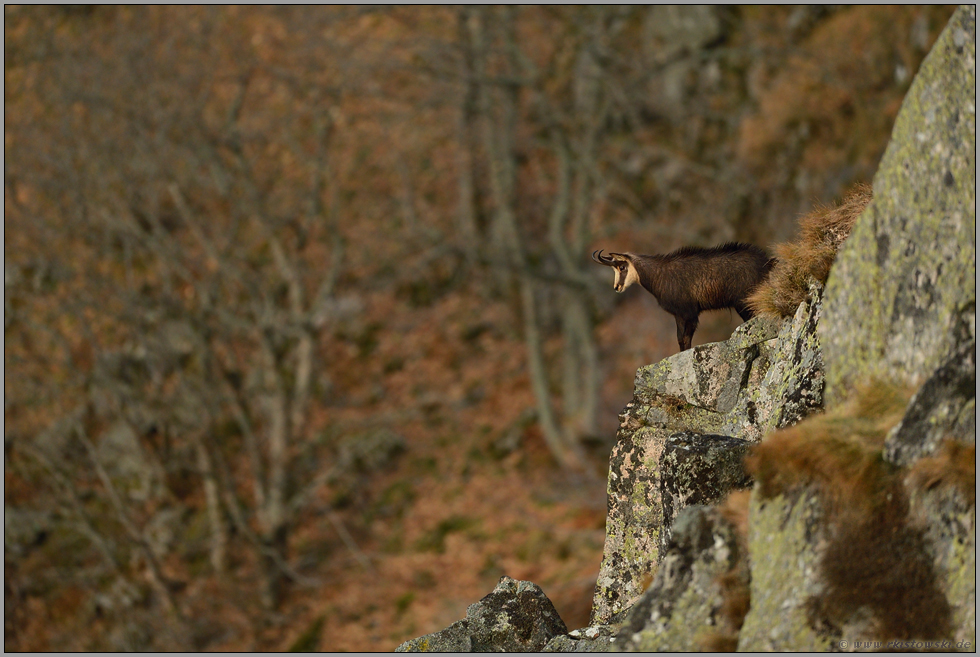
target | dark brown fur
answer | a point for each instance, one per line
(690, 280)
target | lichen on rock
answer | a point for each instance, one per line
(515, 617)
(902, 294)
(767, 375)
(783, 534)
(679, 610)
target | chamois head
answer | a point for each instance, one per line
(623, 268)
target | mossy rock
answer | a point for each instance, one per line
(902, 294)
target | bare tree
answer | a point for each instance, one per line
(221, 221)
(566, 103)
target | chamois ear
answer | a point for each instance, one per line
(620, 257)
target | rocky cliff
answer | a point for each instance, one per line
(739, 515)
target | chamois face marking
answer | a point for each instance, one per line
(624, 272)
(625, 275)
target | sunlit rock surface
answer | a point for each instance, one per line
(902, 295)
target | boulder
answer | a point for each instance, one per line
(944, 407)
(515, 617)
(784, 535)
(698, 470)
(950, 524)
(596, 638)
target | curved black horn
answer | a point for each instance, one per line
(602, 260)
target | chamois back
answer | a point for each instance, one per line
(694, 279)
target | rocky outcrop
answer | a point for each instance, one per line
(515, 617)
(731, 394)
(599, 638)
(782, 536)
(944, 407)
(900, 306)
(949, 519)
(902, 295)
(861, 523)
(698, 470)
(680, 610)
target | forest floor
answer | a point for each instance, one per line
(476, 494)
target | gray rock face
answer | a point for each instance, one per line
(678, 611)
(900, 305)
(785, 536)
(766, 376)
(902, 295)
(698, 469)
(515, 617)
(598, 638)
(950, 524)
(455, 638)
(944, 407)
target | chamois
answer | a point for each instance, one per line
(692, 279)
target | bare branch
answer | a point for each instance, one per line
(157, 578)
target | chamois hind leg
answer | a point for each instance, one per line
(685, 331)
(744, 311)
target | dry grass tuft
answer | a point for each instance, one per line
(954, 466)
(839, 452)
(719, 642)
(810, 258)
(736, 598)
(875, 560)
(646, 579)
(735, 509)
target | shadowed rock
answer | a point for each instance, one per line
(699, 469)
(678, 612)
(597, 638)
(944, 407)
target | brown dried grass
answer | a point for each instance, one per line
(839, 452)
(810, 258)
(875, 559)
(954, 466)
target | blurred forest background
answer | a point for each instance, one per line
(303, 346)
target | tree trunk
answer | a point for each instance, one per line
(567, 452)
(581, 366)
(212, 497)
(498, 135)
(465, 131)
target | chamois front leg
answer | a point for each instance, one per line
(685, 331)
